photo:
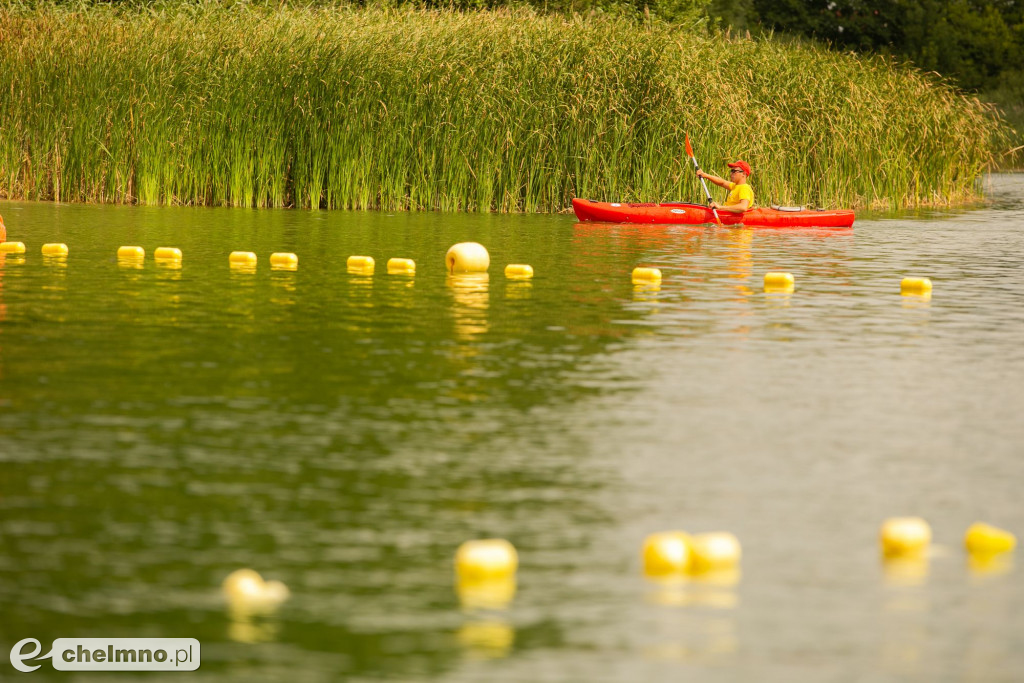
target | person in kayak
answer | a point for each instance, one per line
(741, 195)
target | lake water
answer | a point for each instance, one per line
(344, 434)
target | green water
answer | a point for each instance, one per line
(344, 434)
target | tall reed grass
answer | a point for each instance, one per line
(337, 107)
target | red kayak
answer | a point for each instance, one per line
(695, 214)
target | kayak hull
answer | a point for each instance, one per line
(696, 214)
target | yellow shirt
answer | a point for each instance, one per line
(738, 193)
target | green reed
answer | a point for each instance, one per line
(336, 107)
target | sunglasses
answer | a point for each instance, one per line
(735, 170)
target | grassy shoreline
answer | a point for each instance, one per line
(336, 107)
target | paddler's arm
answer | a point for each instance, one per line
(715, 179)
(739, 207)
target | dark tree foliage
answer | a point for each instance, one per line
(971, 41)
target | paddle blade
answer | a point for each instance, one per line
(689, 150)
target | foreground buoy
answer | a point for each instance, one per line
(905, 536)
(12, 247)
(715, 550)
(242, 258)
(467, 257)
(360, 264)
(245, 589)
(283, 260)
(401, 266)
(915, 286)
(644, 276)
(985, 539)
(55, 249)
(667, 553)
(489, 558)
(779, 282)
(131, 253)
(518, 271)
(167, 254)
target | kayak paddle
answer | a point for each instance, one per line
(696, 167)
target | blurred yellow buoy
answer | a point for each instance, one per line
(518, 271)
(985, 539)
(12, 247)
(167, 254)
(666, 553)
(488, 558)
(360, 264)
(246, 590)
(715, 550)
(646, 276)
(283, 260)
(401, 266)
(242, 258)
(905, 536)
(779, 282)
(55, 249)
(131, 253)
(467, 257)
(915, 286)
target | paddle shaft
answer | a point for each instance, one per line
(707, 193)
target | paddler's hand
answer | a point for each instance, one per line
(715, 205)
(702, 174)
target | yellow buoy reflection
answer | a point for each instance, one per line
(470, 292)
(486, 594)
(492, 639)
(984, 565)
(906, 570)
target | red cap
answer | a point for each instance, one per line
(742, 165)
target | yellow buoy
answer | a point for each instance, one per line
(779, 282)
(666, 553)
(467, 257)
(489, 558)
(55, 249)
(985, 539)
(283, 260)
(131, 253)
(905, 536)
(401, 266)
(12, 247)
(646, 276)
(518, 271)
(167, 254)
(715, 550)
(246, 590)
(360, 264)
(242, 258)
(915, 286)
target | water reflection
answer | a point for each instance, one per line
(248, 627)
(283, 283)
(984, 567)
(488, 639)
(906, 571)
(518, 290)
(471, 299)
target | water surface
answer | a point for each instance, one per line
(161, 427)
